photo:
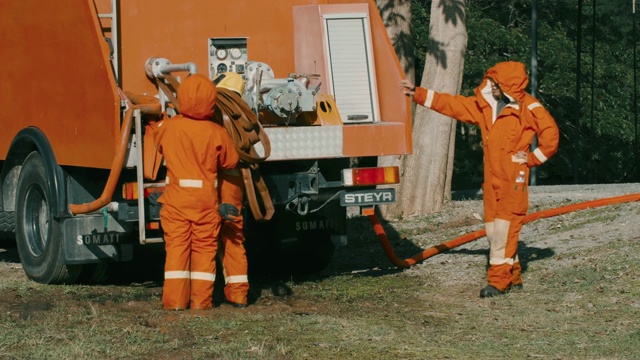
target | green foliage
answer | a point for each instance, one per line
(599, 129)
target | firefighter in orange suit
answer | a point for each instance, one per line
(231, 186)
(508, 118)
(234, 256)
(195, 150)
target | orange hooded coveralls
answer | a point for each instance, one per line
(504, 133)
(194, 149)
(231, 187)
(234, 256)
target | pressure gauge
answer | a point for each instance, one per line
(235, 53)
(221, 53)
(222, 68)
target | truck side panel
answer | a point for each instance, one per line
(57, 77)
(179, 30)
(395, 108)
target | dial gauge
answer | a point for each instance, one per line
(235, 53)
(221, 54)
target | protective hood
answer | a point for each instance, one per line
(512, 78)
(197, 97)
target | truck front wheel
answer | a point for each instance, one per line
(38, 233)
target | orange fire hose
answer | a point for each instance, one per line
(437, 249)
(116, 166)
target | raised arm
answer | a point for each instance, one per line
(459, 107)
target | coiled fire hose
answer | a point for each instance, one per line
(245, 130)
(437, 249)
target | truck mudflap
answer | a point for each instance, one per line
(96, 238)
(293, 243)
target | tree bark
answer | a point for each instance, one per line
(426, 174)
(396, 15)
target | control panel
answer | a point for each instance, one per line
(227, 55)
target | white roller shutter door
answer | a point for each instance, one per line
(351, 75)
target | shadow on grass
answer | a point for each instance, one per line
(405, 248)
(525, 253)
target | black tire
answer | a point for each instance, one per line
(308, 254)
(93, 274)
(39, 235)
(311, 254)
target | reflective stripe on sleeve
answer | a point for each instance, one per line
(538, 154)
(166, 181)
(235, 279)
(533, 106)
(188, 183)
(501, 261)
(197, 275)
(176, 275)
(429, 100)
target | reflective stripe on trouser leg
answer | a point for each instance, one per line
(489, 229)
(234, 262)
(234, 259)
(203, 260)
(503, 253)
(176, 288)
(499, 272)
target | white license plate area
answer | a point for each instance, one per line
(368, 197)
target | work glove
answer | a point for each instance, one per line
(228, 211)
(520, 157)
(153, 198)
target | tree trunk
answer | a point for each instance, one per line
(396, 15)
(426, 174)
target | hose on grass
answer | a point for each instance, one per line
(461, 240)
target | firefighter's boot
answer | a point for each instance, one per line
(490, 291)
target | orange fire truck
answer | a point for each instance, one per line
(84, 81)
